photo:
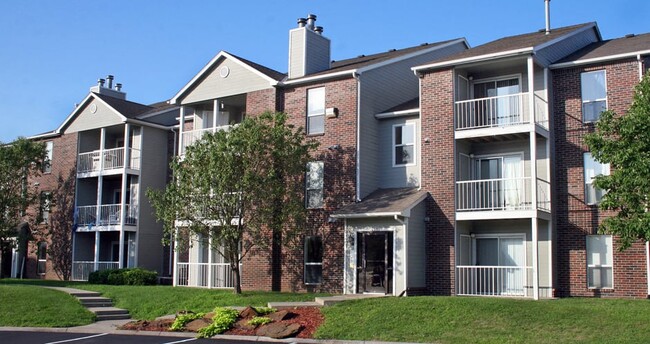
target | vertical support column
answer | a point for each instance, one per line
(210, 261)
(180, 131)
(215, 113)
(96, 251)
(100, 178)
(124, 211)
(533, 177)
(175, 261)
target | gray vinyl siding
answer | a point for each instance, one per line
(86, 120)
(239, 80)
(381, 89)
(397, 176)
(318, 53)
(416, 247)
(565, 47)
(153, 175)
(297, 53)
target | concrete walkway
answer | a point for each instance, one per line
(94, 302)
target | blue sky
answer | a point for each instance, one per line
(51, 52)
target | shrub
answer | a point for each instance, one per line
(222, 321)
(135, 276)
(116, 277)
(256, 321)
(265, 310)
(182, 320)
(140, 277)
(99, 277)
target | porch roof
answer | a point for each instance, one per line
(384, 202)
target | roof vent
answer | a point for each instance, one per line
(318, 30)
(423, 44)
(302, 22)
(629, 35)
(391, 50)
(361, 56)
(547, 6)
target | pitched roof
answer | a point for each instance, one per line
(368, 60)
(271, 73)
(384, 202)
(127, 108)
(618, 46)
(408, 105)
(511, 43)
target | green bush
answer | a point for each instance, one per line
(223, 320)
(135, 276)
(256, 321)
(182, 320)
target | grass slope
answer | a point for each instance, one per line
(489, 320)
(24, 305)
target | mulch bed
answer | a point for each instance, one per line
(309, 319)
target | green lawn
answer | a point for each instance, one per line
(489, 320)
(149, 302)
(24, 305)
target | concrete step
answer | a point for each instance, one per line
(95, 301)
(84, 294)
(279, 305)
(113, 317)
(108, 310)
(330, 300)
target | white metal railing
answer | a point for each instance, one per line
(108, 214)
(500, 111)
(205, 275)
(82, 269)
(494, 194)
(191, 136)
(493, 280)
(543, 195)
(107, 159)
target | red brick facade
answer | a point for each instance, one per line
(576, 219)
(437, 121)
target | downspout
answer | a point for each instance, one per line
(357, 77)
(404, 224)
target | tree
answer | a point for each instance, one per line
(624, 143)
(242, 188)
(61, 226)
(19, 161)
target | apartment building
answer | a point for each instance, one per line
(442, 169)
(113, 150)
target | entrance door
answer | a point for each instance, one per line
(375, 262)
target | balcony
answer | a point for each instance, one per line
(82, 269)
(108, 159)
(475, 280)
(191, 136)
(501, 195)
(508, 112)
(106, 215)
(204, 275)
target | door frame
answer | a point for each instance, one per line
(389, 239)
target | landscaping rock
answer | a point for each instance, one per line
(242, 324)
(280, 315)
(209, 315)
(197, 324)
(278, 330)
(248, 312)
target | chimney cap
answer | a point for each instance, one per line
(318, 29)
(302, 22)
(311, 16)
(630, 35)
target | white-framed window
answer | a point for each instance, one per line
(593, 168)
(42, 258)
(313, 260)
(314, 185)
(47, 164)
(600, 262)
(45, 205)
(316, 110)
(404, 144)
(594, 94)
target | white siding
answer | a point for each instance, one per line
(86, 120)
(396, 176)
(239, 80)
(297, 53)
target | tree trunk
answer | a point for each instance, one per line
(234, 265)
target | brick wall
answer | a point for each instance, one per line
(64, 161)
(437, 113)
(258, 102)
(575, 219)
(339, 181)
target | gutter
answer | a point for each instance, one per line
(394, 114)
(473, 59)
(351, 73)
(148, 124)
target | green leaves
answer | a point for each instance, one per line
(624, 143)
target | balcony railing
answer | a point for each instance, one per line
(500, 111)
(494, 194)
(204, 275)
(493, 280)
(108, 159)
(82, 269)
(108, 214)
(543, 195)
(191, 136)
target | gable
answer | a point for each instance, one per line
(238, 80)
(86, 119)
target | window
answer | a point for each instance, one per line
(600, 260)
(314, 185)
(42, 258)
(594, 95)
(316, 110)
(47, 164)
(403, 144)
(46, 203)
(313, 260)
(592, 169)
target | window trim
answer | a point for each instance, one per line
(47, 163)
(42, 245)
(582, 98)
(589, 184)
(307, 185)
(308, 115)
(306, 264)
(394, 146)
(610, 254)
